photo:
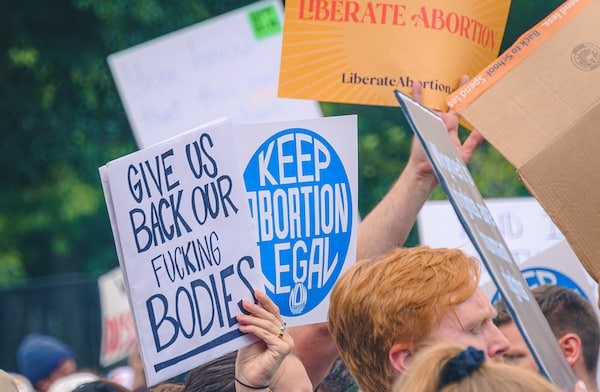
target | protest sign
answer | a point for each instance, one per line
(525, 226)
(544, 119)
(301, 182)
(536, 244)
(119, 339)
(187, 246)
(556, 265)
(361, 51)
(224, 66)
(477, 221)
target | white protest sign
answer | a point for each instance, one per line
(302, 187)
(523, 223)
(556, 265)
(187, 246)
(479, 225)
(225, 66)
(119, 338)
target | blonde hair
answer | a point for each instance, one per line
(399, 297)
(422, 375)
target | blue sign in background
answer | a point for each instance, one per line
(539, 276)
(300, 200)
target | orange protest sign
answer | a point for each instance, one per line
(360, 51)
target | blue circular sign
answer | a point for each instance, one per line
(539, 276)
(301, 203)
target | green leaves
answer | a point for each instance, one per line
(61, 118)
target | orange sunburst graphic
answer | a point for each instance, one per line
(360, 51)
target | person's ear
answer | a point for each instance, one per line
(400, 356)
(570, 345)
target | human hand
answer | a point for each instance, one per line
(257, 363)
(418, 158)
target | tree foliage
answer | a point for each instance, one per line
(61, 118)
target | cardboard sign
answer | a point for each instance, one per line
(224, 66)
(186, 245)
(483, 232)
(119, 338)
(539, 105)
(525, 226)
(302, 187)
(361, 51)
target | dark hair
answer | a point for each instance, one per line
(566, 311)
(168, 386)
(338, 379)
(215, 376)
(502, 316)
(101, 386)
(461, 366)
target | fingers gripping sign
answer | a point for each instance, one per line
(451, 119)
(257, 363)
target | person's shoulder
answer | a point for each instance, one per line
(23, 384)
(7, 382)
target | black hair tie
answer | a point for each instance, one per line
(461, 366)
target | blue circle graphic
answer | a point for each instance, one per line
(539, 276)
(301, 204)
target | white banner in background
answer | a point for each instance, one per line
(118, 330)
(523, 223)
(225, 66)
(556, 265)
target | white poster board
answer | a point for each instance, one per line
(556, 265)
(186, 245)
(225, 66)
(119, 338)
(525, 226)
(302, 187)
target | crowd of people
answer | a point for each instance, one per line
(47, 364)
(400, 319)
